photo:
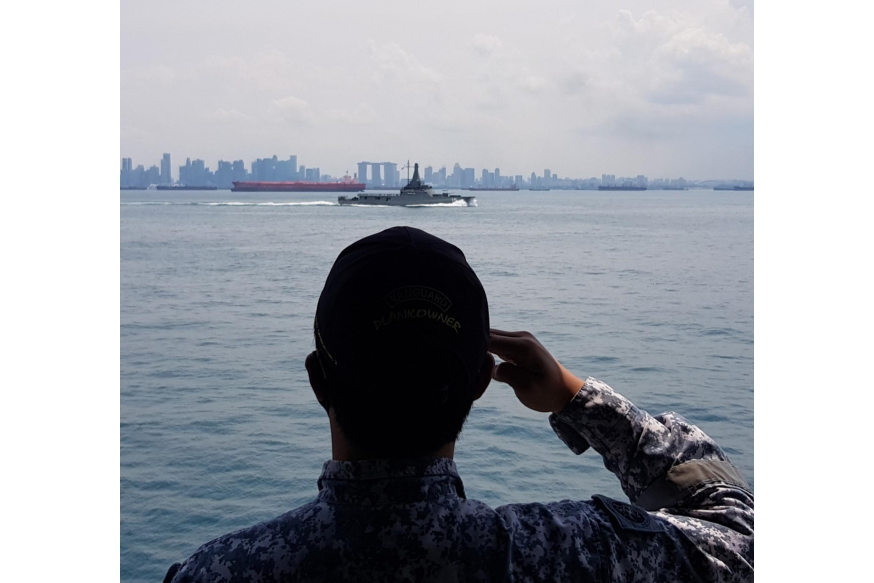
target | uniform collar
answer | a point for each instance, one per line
(389, 481)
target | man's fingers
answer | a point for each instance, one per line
(511, 374)
(510, 347)
(497, 332)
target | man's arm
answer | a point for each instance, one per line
(665, 464)
(658, 460)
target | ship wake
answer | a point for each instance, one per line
(445, 204)
(232, 203)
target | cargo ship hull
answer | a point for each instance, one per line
(297, 186)
(184, 187)
(510, 189)
(622, 188)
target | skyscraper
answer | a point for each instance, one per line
(286, 169)
(127, 166)
(239, 172)
(224, 174)
(391, 174)
(166, 178)
(362, 172)
(456, 177)
(468, 178)
(376, 175)
(195, 173)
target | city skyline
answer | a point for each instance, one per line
(377, 174)
(236, 166)
(654, 88)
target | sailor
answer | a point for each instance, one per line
(391, 505)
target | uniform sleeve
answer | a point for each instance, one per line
(668, 467)
(171, 572)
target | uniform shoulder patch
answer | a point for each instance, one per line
(627, 516)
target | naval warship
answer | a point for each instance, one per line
(415, 193)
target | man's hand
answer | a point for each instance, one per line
(539, 380)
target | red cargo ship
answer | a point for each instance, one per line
(347, 185)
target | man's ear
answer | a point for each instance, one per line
(485, 376)
(318, 382)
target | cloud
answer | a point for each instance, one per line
(394, 64)
(574, 82)
(486, 45)
(661, 60)
(532, 83)
(228, 65)
(150, 77)
(361, 114)
(225, 115)
(704, 64)
(295, 110)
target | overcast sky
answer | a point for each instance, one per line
(662, 88)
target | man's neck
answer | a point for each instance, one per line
(343, 451)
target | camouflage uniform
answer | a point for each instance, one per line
(383, 520)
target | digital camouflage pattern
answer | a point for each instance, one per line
(382, 520)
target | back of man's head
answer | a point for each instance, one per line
(401, 331)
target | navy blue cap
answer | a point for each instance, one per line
(401, 295)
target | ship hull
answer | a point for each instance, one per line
(297, 187)
(410, 199)
(622, 188)
(176, 187)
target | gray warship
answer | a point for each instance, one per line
(415, 193)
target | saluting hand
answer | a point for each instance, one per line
(540, 382)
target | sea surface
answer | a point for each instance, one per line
(652, 292)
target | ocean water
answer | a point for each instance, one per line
(652, 292)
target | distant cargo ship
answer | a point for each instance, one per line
(347, 185)
(539, 189)
(622, 188)
(184, 187)
(725, 187)
(497, 188)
